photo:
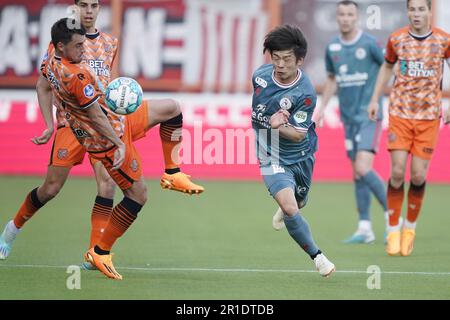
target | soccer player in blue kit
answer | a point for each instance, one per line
(352, 62)
(282, 107)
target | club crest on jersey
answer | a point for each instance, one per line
(285, 103)
(261, 82)
(360, 53)
(300, 116)
(89, 91)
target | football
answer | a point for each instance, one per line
(123, 95)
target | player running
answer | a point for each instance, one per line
(283, 103)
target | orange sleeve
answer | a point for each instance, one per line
(84, 88)
(447, 52)
(390, 56)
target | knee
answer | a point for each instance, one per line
(173, 108)
(417, 178)
(106, 187)
(289, 209)
(398, 172)
(361, 169)
(139, 194)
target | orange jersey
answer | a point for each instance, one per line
(76, 88)
(417, 89)
(100, 52)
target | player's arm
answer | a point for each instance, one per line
(101, 124)
(384, 75)
(45, 98)
(329, 90)
(280, 122)
(447, 112)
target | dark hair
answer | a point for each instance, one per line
(286, 37)
(347, 3)
(76, 1)
(64, 29)
(428, 3)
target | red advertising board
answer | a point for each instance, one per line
(218, 142)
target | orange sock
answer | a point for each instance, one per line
(99, 218)
(123, 215)
(415, 197)
(170, 133)
(394, 203)
(30, 205)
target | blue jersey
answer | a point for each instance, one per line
(355, 66)
(299, 99)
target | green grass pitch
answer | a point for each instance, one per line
(220, 245)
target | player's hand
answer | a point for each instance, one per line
(447, 116)
(317, 117)
(373, 110)
(279, 118)
(43, 138)
(119, 156)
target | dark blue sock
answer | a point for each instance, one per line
(299, 230)
(377, 187)
(362, 194)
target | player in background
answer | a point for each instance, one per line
(352, 62)
(282, 106)
(415, 54)
(100, 51)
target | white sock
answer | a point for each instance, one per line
(397, 227)
(386, 218)
(410, 225)
(364, 226)
(10, 232)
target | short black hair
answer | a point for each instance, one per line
(347, 3)
(429, 3)
(286, 37)
(76, 1)
(64, 29)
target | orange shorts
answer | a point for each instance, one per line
(418, 137)
(131, 169)
(66, 150)
(137, 122)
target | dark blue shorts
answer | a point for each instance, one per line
(296, 176)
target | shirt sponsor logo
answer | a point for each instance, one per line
(335, 47)
(415, 69)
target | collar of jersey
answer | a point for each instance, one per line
(64, 60)
(417, 37)
(351, 42)
(281, 85)
(92, 36)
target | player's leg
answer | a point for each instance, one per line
(289, 188)
(66, 152)
(395, 195)
(362, 190)
(103, 205)
(400, 142)
(129, 178)
(369, 139)
(167, 113)
(424, 143)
